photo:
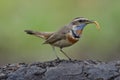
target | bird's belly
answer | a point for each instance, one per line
(62, 43)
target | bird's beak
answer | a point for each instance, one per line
(96, 23)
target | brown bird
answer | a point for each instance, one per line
(66, 36)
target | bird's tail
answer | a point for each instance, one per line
(43, 35)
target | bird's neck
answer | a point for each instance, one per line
(77, 30)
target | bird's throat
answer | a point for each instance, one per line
(74, 34)
(80, 27)
(77, 30)
(77, 33)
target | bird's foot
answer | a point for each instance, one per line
(70, 59)
(58, 59)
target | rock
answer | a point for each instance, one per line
(62, 70)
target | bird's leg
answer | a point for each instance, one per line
(55, 53)
(65, 54)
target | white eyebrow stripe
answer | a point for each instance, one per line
(80, 19)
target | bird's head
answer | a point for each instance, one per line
(81, 22)
(78, 25)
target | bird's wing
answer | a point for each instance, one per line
(59, 35)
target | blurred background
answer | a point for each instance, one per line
(50, 15)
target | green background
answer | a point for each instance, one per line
(50, 15)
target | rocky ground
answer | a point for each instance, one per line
(62, 70)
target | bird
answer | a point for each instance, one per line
(65, 36)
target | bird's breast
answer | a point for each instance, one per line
(79, 32)
(71, 39)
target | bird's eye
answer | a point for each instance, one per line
(81, 20)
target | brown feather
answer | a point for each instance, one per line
(71, 39)
(43, 35)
